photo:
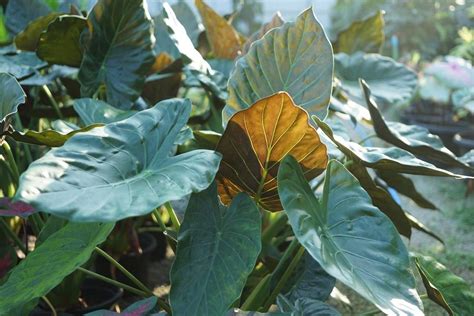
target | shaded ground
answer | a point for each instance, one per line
(453, 222)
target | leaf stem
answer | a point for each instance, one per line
(113, 282)
(129, 275)
(281, 283)
(7, 229)
(11, 161)
(52, 100)
(274, 228)
(50, 305)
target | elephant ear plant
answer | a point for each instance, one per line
(279, 206)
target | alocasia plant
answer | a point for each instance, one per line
(270, 217)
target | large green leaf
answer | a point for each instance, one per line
(445, 288)
(120, 170)
(189, 20)
(60, 43)
(96, 111)
(382, 199)
(391, 81)
(12, 95)
(21, 65)
(351, 239)
(415, 139)
(306, 307)
(276, 21)
(45, 267)
(296, 58)
(173, 39)
(118, 52)
(389, 159)
(21, 12)
(366, 36)
(217, 250)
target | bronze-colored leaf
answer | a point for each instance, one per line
(257, 139)
(28, 38)
(276, 21)
(162, 61)
(223, 38)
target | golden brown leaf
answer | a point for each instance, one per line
(162, 61)
(224, 40)
(257, 139)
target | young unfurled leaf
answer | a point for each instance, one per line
(276, 21)
(296, 58)
(123, 169)
(391, 159)
(60, 43)
(118, 52)
(50, 138)
(257, 139)
(12, 95)
(28, 38)
(223, 38)
(217, 250)
(445, 288)
(351, 239)
(49, 264)
(415, 139)
(366, 36)
(18, 208)
(391, 81)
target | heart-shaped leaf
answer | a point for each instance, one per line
(366, 36)
(60, 43)
(257, 139)
(118, 52)
(389, 159)
(141, 308)
(21, 12)
(296, 58)
(18, 208)
(276, 21)
(21, 65)
(223, 38)
(351, 239)
(95, 111)
(28, 38)
(100, 174)
(445, 288)
(12, 96)
(45, 267)
(391, 81)
(217, 250)
(415, 139)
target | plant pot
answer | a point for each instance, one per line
(442, 125)
(97, 294)
(137, 264)
(464, 141)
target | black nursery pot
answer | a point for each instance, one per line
(137, 264)
(98, 295)
(443, 126)
(464, 141)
